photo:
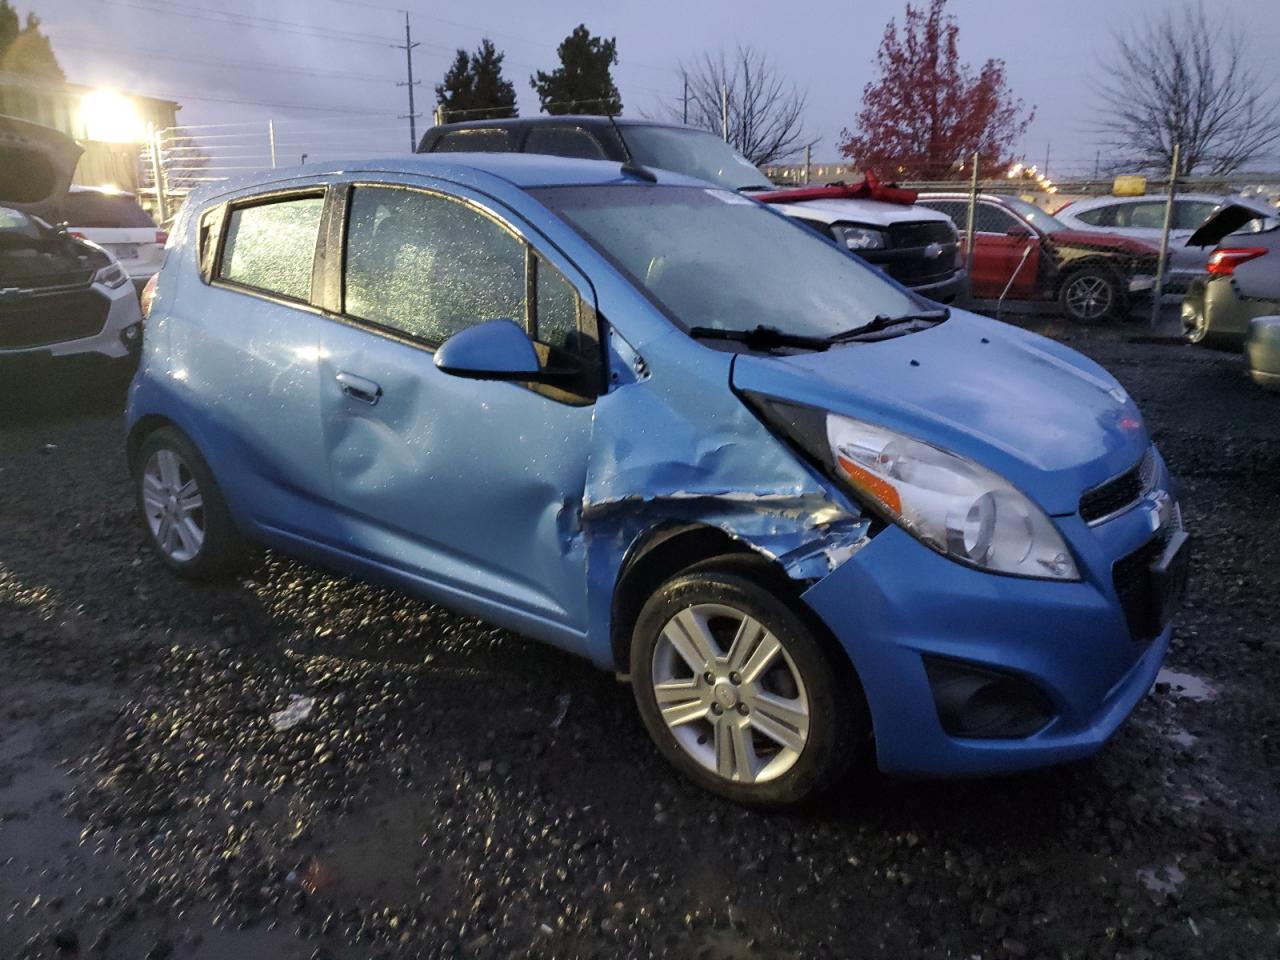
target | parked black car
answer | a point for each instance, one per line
(914, 245)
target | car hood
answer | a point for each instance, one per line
(36, 165)
(873, 212)
(1101, 241)
(1048, 419)
(1225, 222)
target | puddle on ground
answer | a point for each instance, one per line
(1186, 686)
(1162, 881)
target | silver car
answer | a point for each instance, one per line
(1143, 219)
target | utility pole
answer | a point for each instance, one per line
(412, 117)
(724, 112)
(807, 165)
(685, 98)
(1047, 147)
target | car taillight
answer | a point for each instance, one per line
(148, 295)
(162, 237)
(77, 234)
(1224, 260)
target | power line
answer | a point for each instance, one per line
(218, 61)
(244, 19)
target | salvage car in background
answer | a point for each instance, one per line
(115, 221)
(59, 295)
(806, 514)
(1142, 218)
(1023, 253)
(1243, 275)
(1263, 351)
(914, 245)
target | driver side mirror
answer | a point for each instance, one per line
(496, 350)
(1018, 230)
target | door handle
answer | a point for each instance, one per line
(359, 388)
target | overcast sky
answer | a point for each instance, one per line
(179, 50)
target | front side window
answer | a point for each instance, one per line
(271, 246)
(713, 258)
(428, 266)
(989, 218)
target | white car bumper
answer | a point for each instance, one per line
(109, 341)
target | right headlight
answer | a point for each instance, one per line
(946, 501)
(858, 238)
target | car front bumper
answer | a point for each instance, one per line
(945, 291)
(897, 605)
(111, 340)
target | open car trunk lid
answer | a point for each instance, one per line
(36, 165)
(1222, 224)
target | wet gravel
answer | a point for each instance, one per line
(457, 791)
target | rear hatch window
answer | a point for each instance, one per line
(92, 209)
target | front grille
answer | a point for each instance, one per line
(41, 320)
(921, 233)
(1138, 592)
(1120, 492)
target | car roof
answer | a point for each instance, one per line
(579, 119)
(105, 191)
(522, 170)
(1089, 203)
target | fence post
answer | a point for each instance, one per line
(271, 139)
(806, 164)
(1157, 290)
(157, 172)
(724, 112)
(973, 207)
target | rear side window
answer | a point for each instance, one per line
(492, 140)
(427, 266)
(272, 246)
(1189, 214)
(1098, 216)
(1146, 216)
(564, 142)
(92, 209)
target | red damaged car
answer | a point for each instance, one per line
(1021, 248)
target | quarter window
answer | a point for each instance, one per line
(271, 246)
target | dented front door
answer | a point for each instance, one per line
(473, 486)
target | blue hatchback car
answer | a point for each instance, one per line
(656, 424)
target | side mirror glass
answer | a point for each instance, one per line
(1018, 230)
(495, 350)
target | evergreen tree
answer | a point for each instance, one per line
(25, 49)
(582, 83)
(474, 88)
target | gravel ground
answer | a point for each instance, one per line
(457, 791)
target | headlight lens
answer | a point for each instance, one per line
(951, 504)
(112, 275)
(947, 502)
(859, 238)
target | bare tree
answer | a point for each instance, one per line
(766, 112)
(1183, 77)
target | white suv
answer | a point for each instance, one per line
(115, 221)
(59, 295)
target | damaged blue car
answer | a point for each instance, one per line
(806, 513)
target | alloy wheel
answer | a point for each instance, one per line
(730, 693)
(173, 506)
(1089, 297)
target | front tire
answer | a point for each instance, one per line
(1091, 295)
(738, 692)
(183, 512)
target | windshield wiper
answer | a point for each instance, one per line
(882, 322)
(761, 337)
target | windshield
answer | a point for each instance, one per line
(695, 153)
(713, 258)
(1044, 222)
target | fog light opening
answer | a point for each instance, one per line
(980, 703)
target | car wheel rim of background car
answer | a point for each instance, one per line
(173, 505)
(1089, 297)
(730, 693)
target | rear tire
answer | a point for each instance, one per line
(737, 690)
(183, 512)
(1092, 295)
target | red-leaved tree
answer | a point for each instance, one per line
(927, 112)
